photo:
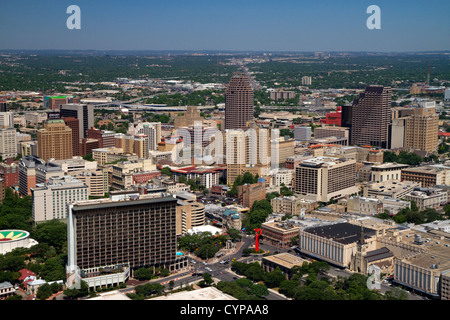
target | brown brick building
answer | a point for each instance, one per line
(249, 193)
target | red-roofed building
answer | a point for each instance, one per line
(443, 134)
(26, 276)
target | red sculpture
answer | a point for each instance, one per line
(258, 233)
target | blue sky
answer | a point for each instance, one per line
(267, 25)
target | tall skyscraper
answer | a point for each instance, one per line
(55, 141)
(238, 102)
(249, 151)
(83, 112)
(371, 115)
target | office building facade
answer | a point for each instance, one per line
(238, 102)
(325, 178)
(55, 141)
(139, 232)
(83, 112)
(371, 115)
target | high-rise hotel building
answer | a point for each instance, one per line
(325, 178)
(371, 115)
(238, 102)
(138, 232)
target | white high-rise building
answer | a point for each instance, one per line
(49, 200)
(150, 129)
(8, 143)
(306, 81)
(6, 120)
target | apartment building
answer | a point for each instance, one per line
(249, 151)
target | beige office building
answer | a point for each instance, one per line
(331, 131)
(428, 198)
(122, 175)
(96, 180)
(428, 175)
(112, 154)
(387, 171)
(55, 141)
(325, 178)
(8, 143)
(421, 129)
(292, 206)
(190, 213)
(189, 118)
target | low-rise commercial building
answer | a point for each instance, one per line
(279, 233)
(426, 198)
(283, 261)
(292, 206)
(428, 176)
(395, 189)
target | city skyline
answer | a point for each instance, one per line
(200, 25)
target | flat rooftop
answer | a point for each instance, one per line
(209, 293)
(390, 165)
(285, 259)
(436, 248)
(344, 233)
(426, 169)
(109, 203)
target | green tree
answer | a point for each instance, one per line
(44, 292)
(396, 294)
(53, 232)
(274, 278)
(206, 281)
(143, 274)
